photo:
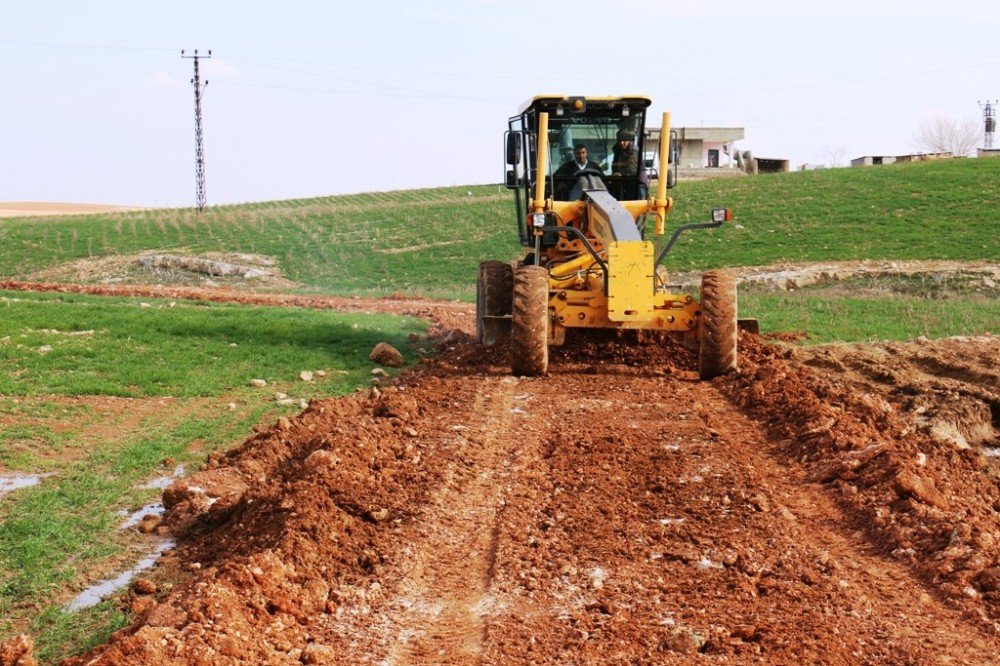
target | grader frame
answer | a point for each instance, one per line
(586, 262)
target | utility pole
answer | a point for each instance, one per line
(199, 146)
(989, 121)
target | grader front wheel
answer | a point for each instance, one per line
(529, 338)
(717, 327)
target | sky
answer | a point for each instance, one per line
(309, 98)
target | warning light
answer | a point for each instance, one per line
(720, 215)
(577, 104)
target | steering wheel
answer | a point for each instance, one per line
(588, 171)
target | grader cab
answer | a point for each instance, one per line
(582, 207)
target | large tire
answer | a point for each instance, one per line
(529, 335)
(494, 294)
(717, 326)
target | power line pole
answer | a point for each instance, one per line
(989, 122)
(199, 146)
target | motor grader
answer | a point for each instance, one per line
(586, 262)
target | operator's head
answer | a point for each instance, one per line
(580, 151)
(625, 136)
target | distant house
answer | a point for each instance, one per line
(875, 160)
(988, 152)
(924, 157)
(701, 147)
(771, 165)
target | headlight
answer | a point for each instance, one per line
(538, 220)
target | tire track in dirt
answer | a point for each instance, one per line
(681, 529)
(442, 596)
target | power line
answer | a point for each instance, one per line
(199, 146)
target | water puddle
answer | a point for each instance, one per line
(134, 518)
(9, 482)
(98, 591)
(161, 482)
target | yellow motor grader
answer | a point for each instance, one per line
(581, 223)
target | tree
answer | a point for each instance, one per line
(835, 154)
(945, 135)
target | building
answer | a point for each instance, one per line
(701, 147)
(771, 165)
(875, 160)
(924, 157)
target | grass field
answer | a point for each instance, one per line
(429, 242)
(98, 392)
(930, 210)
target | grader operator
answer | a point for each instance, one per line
(580, 221)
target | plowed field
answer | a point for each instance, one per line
(811, 508)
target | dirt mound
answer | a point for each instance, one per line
(237, 270)
(616, 511)
(950, 388)
(925, 499)
(784, 277)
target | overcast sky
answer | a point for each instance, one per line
(311, 98)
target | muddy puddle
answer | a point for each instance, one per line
(11, 482)
(135, 517)
(100, 590)
(161, 482)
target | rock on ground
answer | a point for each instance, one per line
(385, 354)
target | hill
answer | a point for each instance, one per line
(428, 242)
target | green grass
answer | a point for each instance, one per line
(934, 210)
(189, 349)
(421, 241)
(53, 533)
(429, 242)
(198, 358)
(21, 444)
(61, 635)
(870, 319)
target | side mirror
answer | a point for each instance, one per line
(513, 152)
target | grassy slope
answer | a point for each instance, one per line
(430, 241)
(420, 241)
(936, 210)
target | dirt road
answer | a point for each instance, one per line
(615, 511)
(50, 209)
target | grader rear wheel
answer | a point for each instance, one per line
(717, 327)
(529, 339)
(494, 292)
